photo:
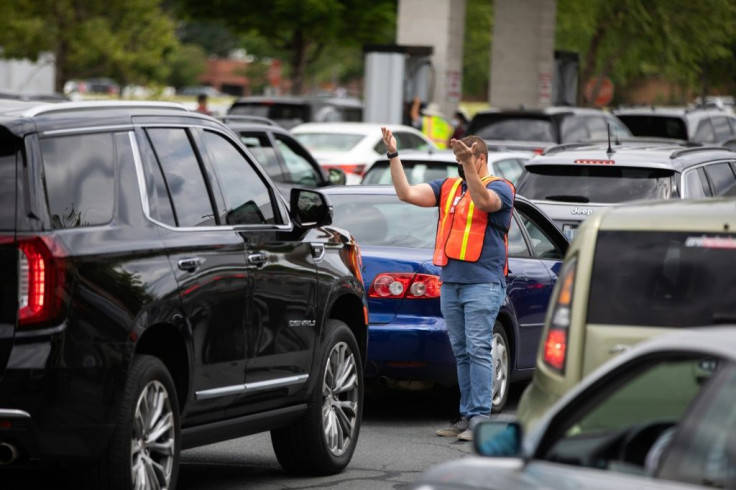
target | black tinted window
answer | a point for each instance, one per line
(594, 183)
(183, 176)
(656, 126)
(246, 195)
(722, 177)
(663, 279)
(79, 176)
(9, 147)
(520, 129)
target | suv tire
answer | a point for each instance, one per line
(323, 440)
(139, 452)
(500, 352)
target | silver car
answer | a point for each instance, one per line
(661, 416)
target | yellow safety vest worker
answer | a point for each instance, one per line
(461, 228)
(437, 129)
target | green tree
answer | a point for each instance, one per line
(303, 28)
(186, 64)
(626, 39)
(128, 40)
(477, 49)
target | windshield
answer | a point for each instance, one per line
(519, 129)
(384, 220)
(587, 183)
(329, 141)
(663, 279)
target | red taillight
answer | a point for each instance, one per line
(538, 151)
(555, 348)
(39, 275)
(403, 285)
(555, 344)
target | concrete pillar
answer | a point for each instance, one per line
(441, 25)
(522, 53)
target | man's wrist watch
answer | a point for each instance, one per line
(392, 155)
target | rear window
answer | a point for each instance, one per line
(663, 279)
(328, 141)
(79, 177)
(501, 127)
(656, 126)
(9, 147)
(286, 115)
(600, 184)
(416, 172)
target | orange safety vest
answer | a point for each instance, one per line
(461, 229)
(437, 129)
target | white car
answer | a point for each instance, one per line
(355, 146)
(423, 166)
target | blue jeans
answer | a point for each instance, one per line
(470, 311)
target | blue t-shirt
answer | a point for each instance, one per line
(489, 267)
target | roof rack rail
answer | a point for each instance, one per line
(245, 118)
(99, 104)
(695, 149)
(569, 146)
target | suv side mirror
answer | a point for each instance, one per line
(497, 438)
(310, 208)
(337, 176)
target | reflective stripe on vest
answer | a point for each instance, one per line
(462, 238)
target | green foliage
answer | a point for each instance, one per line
(631, 39)
(126, 39)
(477, 48)
(303, 29)
(185, 65)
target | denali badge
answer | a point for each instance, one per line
(302, 323)
(585, 211)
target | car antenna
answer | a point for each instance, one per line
(610, 150)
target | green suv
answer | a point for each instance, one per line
(633, 271)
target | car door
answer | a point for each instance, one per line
(534, 260)
(282, 317)
(208, 260)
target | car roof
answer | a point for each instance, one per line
(716, 215)
(367, 128)
(655, 155)
(543, 111)
(297, 99)
(447, 156)
(384, 190)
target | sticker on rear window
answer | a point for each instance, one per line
(711, 242)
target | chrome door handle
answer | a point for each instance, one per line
(190, 264)
(258, 259)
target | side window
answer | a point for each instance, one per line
(79, 177)
(510, 169)
(598, 128)
(300, 170)
(722, 177)
(543, 247)
(721, 128)
(574, 129)
(617, 127)
(517, 245)
(704, 132)
(260, 147)
(183, 177)
(414, 142)
(695, 186)
(247, 197)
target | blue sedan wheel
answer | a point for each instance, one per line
(500, 351)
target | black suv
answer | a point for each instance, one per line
(291, 110)
(538, 129)
(701, 124)
(157, 295)
(281, 155)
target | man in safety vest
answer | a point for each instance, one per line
(430, 121)
(471, 248)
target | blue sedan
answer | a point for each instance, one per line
(408, 343)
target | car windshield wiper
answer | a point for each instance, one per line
(567, 198)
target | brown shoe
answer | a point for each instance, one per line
(455, 428)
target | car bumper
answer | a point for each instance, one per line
(405, 350)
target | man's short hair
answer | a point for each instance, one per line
(480, 147)
(202, 98)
